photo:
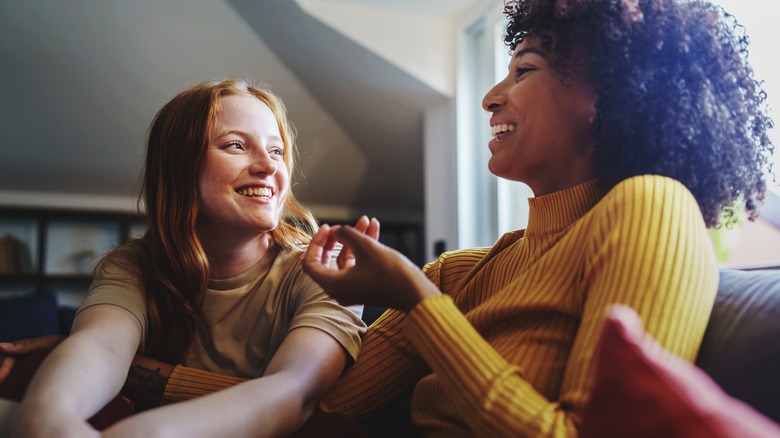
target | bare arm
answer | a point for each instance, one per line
(80, 375)
(306, 365)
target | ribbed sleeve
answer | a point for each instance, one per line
(395, 367)
(510, 344)
(187, 383)
(471, 369)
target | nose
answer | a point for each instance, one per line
(494, 99)
(263, 163)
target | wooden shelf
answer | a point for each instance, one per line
(51, 248)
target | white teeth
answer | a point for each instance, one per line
(502, 128)
(256, 191)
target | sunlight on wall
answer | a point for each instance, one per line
(760, 20)
(757, 243)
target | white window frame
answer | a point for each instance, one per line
(487, 206)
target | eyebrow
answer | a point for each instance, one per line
(527, 50)
(244, 134)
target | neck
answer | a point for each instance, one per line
(228, 259)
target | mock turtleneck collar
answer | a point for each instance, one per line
(556, 211)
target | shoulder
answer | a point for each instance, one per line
(469, 256)
(648, 195)
(646, 205)
(124, 262)
(647, 187)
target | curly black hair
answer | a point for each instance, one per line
(676, 95)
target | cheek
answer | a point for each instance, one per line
(283, 178)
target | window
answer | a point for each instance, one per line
(490, 206)
(757, 244)
(759, 19)
(487, 206)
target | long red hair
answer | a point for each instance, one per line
(168, 261)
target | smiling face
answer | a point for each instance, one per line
(541, 122)
(244, 180)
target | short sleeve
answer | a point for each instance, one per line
(317, 309)
(115, 285)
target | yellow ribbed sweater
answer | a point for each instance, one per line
(507, 350)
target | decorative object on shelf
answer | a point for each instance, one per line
(15, 256)
(82, 260)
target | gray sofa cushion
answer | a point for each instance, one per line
(741, 348)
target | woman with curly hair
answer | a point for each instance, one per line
(637, 124)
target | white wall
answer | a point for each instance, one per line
(421, 45)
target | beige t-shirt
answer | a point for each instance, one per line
(248, 316)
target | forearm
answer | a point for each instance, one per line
(266, 406)
(305, 366)
(80, 375)
(493, 396)
(71, 385)
(388, 364)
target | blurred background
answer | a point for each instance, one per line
(385, 96)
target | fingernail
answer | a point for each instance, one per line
(4, 345)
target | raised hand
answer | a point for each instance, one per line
(373, 274)
(9, 350)
(370, 228)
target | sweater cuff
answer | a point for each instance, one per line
(188, 383)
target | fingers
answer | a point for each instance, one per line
(368, 227)
(316, 247)
(6, 365)
(358, 242)
(24, 346)
(346, 258)
(373, 229)
(362, 224)
(315, 261)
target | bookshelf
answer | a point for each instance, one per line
(405, 237)
(57, 249)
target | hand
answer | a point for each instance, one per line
(370, 228)
(21, 347)
(378, 275)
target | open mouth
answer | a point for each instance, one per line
(500, 130)
(255, 192)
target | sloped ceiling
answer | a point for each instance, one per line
(381, 105)
(81, 80)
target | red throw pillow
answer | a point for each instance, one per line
(641, 390)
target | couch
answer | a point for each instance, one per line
(740, 353)
(741, 348)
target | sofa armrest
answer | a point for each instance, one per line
(741, 348)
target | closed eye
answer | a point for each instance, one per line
(521, 71)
